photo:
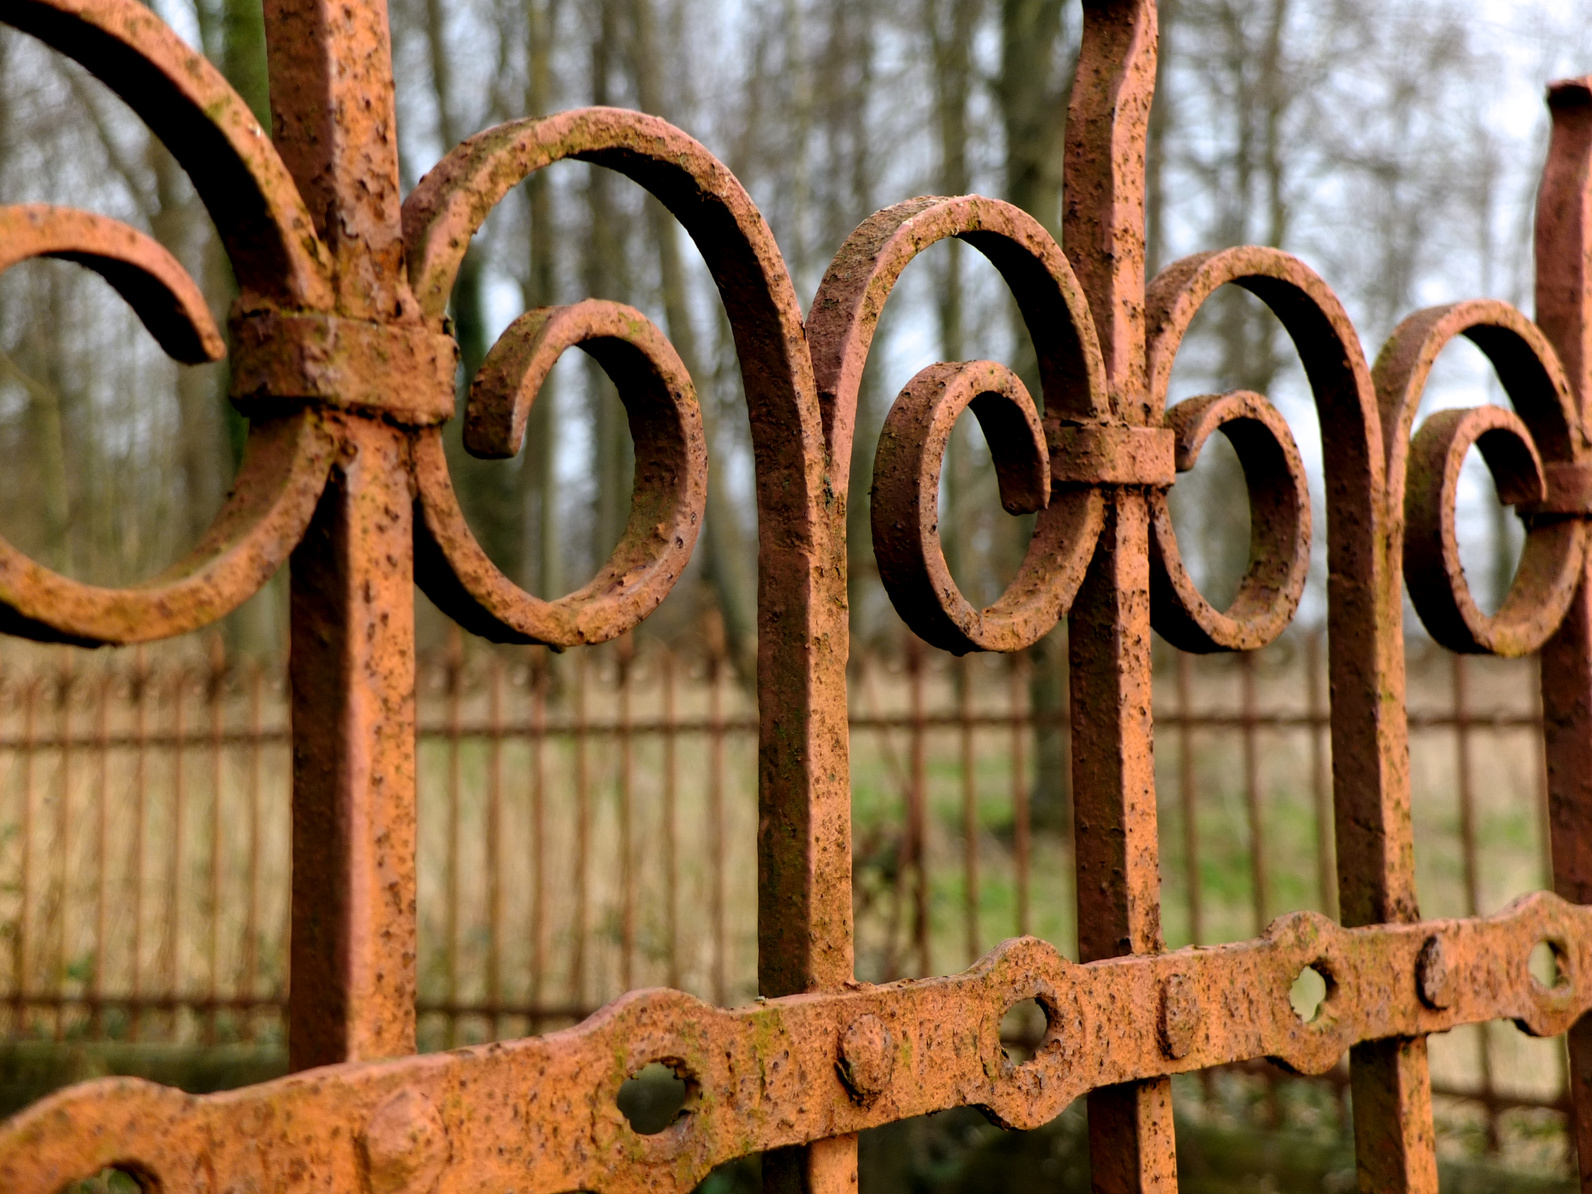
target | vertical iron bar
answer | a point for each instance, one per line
(1561, 1055)
(352, 653)
(671, 866)
(1186, 800)
(24, 937)
(1320, 788)
(251, 914)
(577, 963)
(970, 830)
(178, 856)
(1017, 685)
(1131, 1136)
(917, 818)
(494, 842)
(142, 683)
(1468, 864)
(1564, 312)
(1131, 1144)
(1544, 815)
(215, 715)
(453, 888)
(625, 654)
(352, 995)
(540, 663)
(1258, 880)
(102, 782)
(720, 983)
(1189, 807)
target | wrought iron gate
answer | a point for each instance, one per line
(342, 361)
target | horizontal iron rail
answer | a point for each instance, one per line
(796, 1069)
(700, 726)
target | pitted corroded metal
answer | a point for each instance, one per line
(841, 327)
(440, 217)
(343, 361)
(905, 502)
(1087, 455)
(1279, 529)
(153, 282)
(541, 1115)
(283, 360)
(278, 259)
(1280, 521)
(267, 230)
(284, 466)
(668, 496)
(1544, 431)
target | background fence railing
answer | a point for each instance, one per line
(588, 823)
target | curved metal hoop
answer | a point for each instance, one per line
(1279, 529)
(269, 236)
(904, 507)
(441, 216)
(277, 258)
(845, 315)
(667, 497)
(1532, 454)
(1351, 437)
(273, 497)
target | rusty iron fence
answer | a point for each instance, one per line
(342, 360)
(584, 828)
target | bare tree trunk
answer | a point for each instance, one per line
(833, 110)
(605, 253)
(468, 306)
(487, 490)
(1247, 332)
(1033, 98)
(728, 563)
(242, 55)
(33, 371)
(38, 373)
(540, 554)
(951, 24)
(203, 451)
(1033, 101)
(234, 36)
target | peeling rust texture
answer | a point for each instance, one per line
(343, 364)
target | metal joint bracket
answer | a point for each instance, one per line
(282, 361)
(1112, 455)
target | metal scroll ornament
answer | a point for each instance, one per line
(342, 362)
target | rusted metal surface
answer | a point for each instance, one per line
(792, 1070)
(1564, 292)
(343, 362)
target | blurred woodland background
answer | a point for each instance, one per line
(1394, 146)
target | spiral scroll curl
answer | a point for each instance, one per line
(906, 487)
(1340, 382)
(667, 500)
(1539, 458)
(441, 216)
(278, 260)
(845, 316)
(1535, 455)
(1279, 500)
